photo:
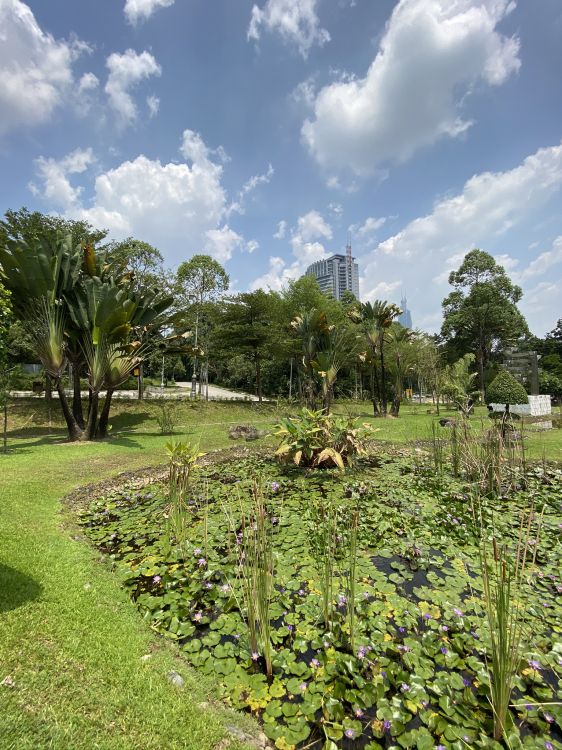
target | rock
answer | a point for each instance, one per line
(146, 657)
(223, 744)
(447, 422)
(8, 682)
(176, 679)
(246, 431)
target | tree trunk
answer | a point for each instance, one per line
(395, 406)
(480, 361)
(383, 380)
(258, 375)
(92, 424)
(104, 416)
(77, 395)
(374, 382)
(74, 430)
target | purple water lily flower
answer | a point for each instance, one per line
(444, 650)
(359, 712)
(534, 664)
(255, 656)
(198, 616)
(197, 551)
(458, 612)
(386, 725)
(404, 687)
(157, 579)
(303, 686)
(201, 563)
(427, 616)
(361, 651)
(548, 746)
(444, 628)
(314, 663)
(401, 630)
(549, 718)
(349, 733)
(467, 682)
(275, 486)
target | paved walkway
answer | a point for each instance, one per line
(183, 390)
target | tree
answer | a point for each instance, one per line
(248, 324)
(458, 384)
(199, 280)
(142, 260)
(24, 225)
(375, 319)
(402, 357)
(73, 307)
(481, 314)
(504, 389)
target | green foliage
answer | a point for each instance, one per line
(481, 314)
(165, 413)
(458, 383)
(379, 543)
(5, 319)
(315, 438)
(505, 389)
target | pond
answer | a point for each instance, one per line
(376, 633)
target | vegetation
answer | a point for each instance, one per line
(504, 389)
(481, 314)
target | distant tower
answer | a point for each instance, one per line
(406, 318)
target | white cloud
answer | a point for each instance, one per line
(222, 242)
(281, 230)
(336, 209)
(432, 53)
(382, 290)
(125, 72)
(56, 187)
(368, 228)
(140, 10)
(153, 104)
(296, 21)
(487, 214)
(252, 246)
(88, 82)
(35, 69)
(249, 186)
(305, 247)
(543, 262)
(311, 226)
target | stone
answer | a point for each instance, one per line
(176, 679)
(245, 431)
(8, 682)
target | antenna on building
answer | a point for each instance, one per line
(348, 253)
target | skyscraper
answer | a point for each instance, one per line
(406, 318)
(336, 274)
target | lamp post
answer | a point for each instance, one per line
(194, 376)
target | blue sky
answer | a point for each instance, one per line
(266, 132)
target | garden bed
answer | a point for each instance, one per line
(409, 669)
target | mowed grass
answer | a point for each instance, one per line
(70, 641)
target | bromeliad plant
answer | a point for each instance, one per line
(315, 438)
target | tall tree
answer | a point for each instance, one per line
(29, 226)
(375, 319)
(249, 324)
(199, 281)
(481, 314)
(142, 260)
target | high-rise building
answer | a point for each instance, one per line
(336, 274)
(406, 318)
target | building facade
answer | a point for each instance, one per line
(335, 275)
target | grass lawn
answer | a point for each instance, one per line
(70, 641)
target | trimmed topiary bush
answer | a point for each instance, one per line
(504, 389)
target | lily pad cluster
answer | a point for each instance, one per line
(413, 674)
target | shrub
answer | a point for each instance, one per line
(504, 389)
(166, 414)
(315, 438)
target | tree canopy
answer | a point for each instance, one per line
(505, 389)
(481, 314)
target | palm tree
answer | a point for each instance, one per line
(312, 328)
(375, 319)
(400, 339)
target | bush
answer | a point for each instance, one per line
(315, 438)
(504, 389)
(165, 414)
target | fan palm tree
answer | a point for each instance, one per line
(312, 328)
(375, 319)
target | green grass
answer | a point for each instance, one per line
(69, 638)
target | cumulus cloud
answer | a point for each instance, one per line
(140, 10)
(281, 230)
(296, 21)
(306, 248)
(35, 69)
(125, 72)
(54, 175)
(369, 227)
(432, 53)
(487, 214)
